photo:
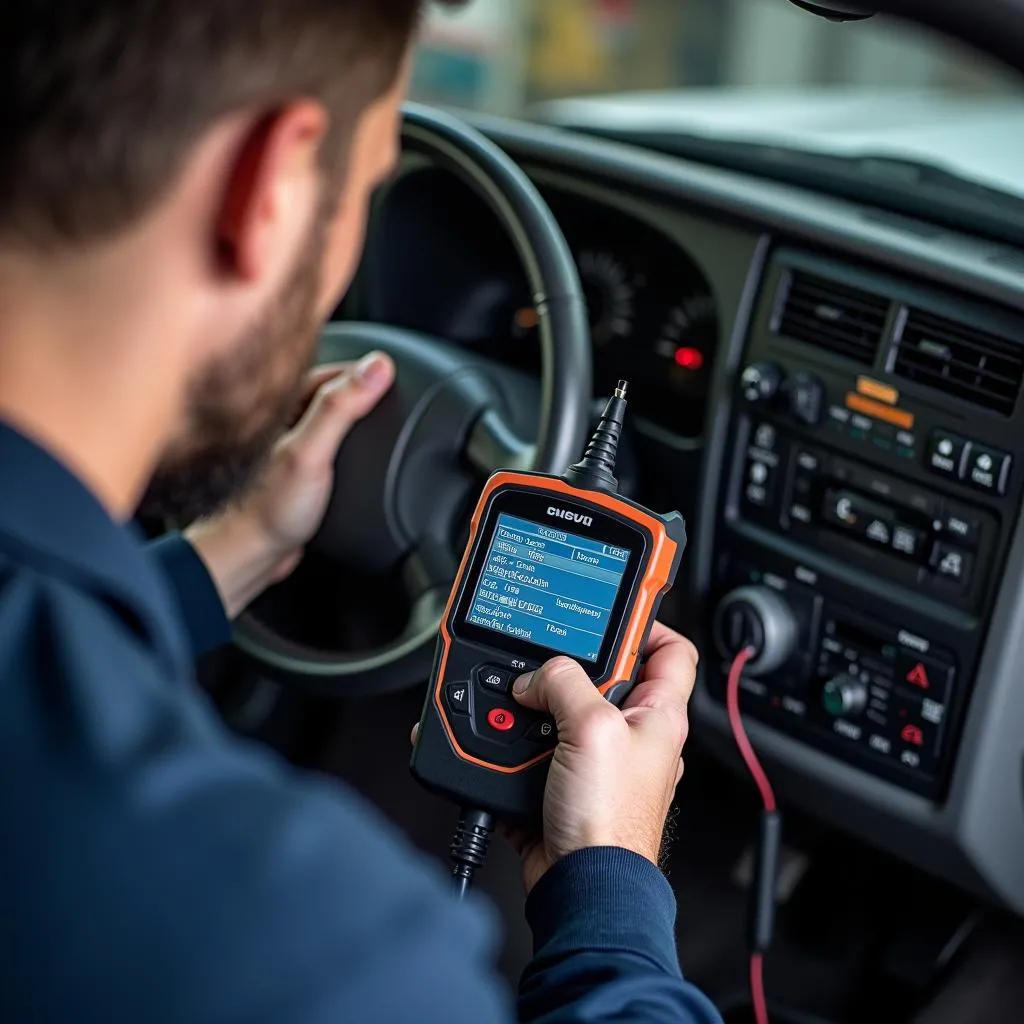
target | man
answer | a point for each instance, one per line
(183, 195)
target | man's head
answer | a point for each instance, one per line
(240, 139)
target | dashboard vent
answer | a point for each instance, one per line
(831, 315)
(966, 362)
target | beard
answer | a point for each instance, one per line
(240, 405)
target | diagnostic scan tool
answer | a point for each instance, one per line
(554, 566)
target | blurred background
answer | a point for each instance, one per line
(504, 56)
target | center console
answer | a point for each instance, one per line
(873, 478)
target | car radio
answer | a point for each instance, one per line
(874, 468)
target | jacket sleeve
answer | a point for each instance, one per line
(196, 877)
(603, 923)
(199, 604)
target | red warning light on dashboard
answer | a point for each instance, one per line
(918, 676)
(689, 358)
(912, 734)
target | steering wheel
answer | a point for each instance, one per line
(408, 473)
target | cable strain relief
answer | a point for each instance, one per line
(761, 920)
(471, 841)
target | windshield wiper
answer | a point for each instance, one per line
(906, 186)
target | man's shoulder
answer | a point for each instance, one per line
(248, 887)
(38, 590)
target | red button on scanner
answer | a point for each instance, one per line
(501, 719)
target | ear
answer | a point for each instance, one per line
(271, 190)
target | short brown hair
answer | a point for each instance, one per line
(102, 100)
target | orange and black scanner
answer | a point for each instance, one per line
(554, 566)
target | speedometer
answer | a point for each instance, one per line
(610, 291)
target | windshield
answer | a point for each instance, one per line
(876, 94)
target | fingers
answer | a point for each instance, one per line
(344, 397)
(669, 673)
(563, 690)
(323, 374)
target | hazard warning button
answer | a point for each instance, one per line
(924, 676)
(918, 676)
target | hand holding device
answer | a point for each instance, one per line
(614, 772)
(554, 566)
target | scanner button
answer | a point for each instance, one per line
(497, 679)
(457, 698)
(501, 719)
(542, 732)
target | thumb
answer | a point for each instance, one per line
(339, 403)
(563, 690)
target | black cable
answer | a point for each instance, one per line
(469, 847)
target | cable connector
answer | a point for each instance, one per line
(596, 470)
(469, 848)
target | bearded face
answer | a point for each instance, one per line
(240, 404)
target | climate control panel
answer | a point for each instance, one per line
(878, 695)
(884, 523)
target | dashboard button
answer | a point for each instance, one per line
(988, 469)
(952, 564)
(806, 398)
(497, 679)
(964, 528)
(923, 676)
(946, 454)
(917, 731)
(907, 541)
(457, 698)
(860, 516)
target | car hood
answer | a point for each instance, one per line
(980, 138)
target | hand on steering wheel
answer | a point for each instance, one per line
(260, 540)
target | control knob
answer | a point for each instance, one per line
(761, 382)
(844, 695)
(757, 617)
(806, 394)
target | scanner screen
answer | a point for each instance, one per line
(549, 587)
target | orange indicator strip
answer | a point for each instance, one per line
(877, 410)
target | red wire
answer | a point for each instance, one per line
(732, 704)
(757, 988)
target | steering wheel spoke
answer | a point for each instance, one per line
(428, 569)
(494, 445)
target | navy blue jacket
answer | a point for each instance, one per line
(154, 868)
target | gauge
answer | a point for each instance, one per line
(682, 342)
(680, 360)
(610, 291)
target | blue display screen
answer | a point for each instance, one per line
(548, 587)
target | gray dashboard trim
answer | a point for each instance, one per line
(976, 838)
(945, 257)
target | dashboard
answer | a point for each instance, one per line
(653, 317)
(832, 396)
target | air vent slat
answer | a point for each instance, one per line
(969, 363)
(813, 296)
(940, 331)
(810, 319)
(831, 315)
(799, 323)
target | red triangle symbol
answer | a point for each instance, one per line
(918, 675)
